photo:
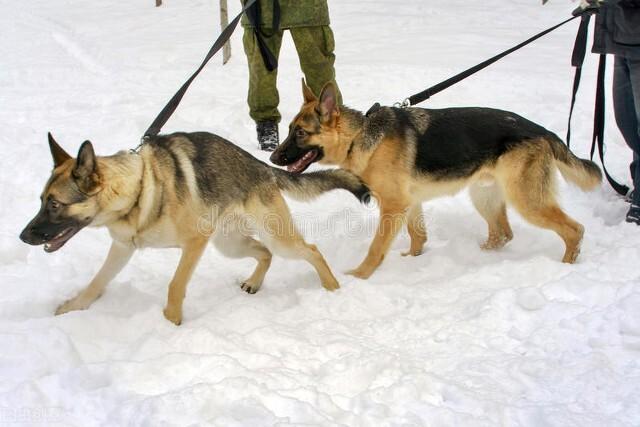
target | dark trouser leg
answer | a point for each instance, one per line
(315, 47)
(626, 103)
(263, 95)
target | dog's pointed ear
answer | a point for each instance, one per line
(59, 155)
(86, 161)
(308, 94)
(86, 168)
(328, 106)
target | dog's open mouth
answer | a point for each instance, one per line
(60, 239)
(303, 162)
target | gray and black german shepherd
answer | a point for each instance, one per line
(180, 190)
(407, 156)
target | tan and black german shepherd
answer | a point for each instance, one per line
(409, 155)
(180, 190)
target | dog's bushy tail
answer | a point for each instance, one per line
(583, 173)
(306, 186)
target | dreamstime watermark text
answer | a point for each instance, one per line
(346, 222)
(43, 415)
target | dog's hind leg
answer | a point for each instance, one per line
(119, 255)
(553, 218)
(529, 185)
(488, 199)
(236, 245)
(191, 252)
(416, 229)
(277, 230)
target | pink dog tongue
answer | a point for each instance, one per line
(302, 162)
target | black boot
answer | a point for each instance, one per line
(633, 216)
(629, 197)
(267, 135)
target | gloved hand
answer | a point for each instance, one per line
(584, 4)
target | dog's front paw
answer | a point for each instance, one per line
(496, 241)
(173, 315)
(412, 252)
(249, 288)
(331, 285)
(73, 304)
(360, 273)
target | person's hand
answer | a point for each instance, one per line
(584, 3)
(586, 6)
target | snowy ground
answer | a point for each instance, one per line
(456, 337)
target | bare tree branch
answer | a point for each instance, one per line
(224, 21)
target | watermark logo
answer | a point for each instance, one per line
(31, 415)
(347, 222)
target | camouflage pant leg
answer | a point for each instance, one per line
(263, 95)
(315, 46)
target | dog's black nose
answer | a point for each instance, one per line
(32, 237)
(25, 236)
(275, 156)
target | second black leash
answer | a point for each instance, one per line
(429, 92)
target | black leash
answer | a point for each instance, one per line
(577, 60)
(598, 126)
(253, 15)
(171, 106)
(428, 93)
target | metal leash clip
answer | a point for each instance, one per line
(143, 141)
(404, 104)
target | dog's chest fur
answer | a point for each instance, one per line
(160, 215)
(163, 233)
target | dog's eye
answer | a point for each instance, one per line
(54, 204)
(301, 133)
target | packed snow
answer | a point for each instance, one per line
(455, 337)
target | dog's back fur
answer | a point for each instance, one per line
(225, 174)
(481, 136)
